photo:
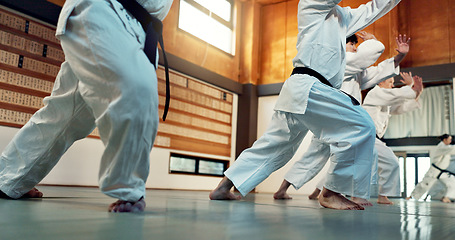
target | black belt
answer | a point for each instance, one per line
(442, 171)
(313, 73)
(153, 28)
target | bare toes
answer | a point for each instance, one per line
(126, 206)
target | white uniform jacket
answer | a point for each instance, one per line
(359, 75)
(156, 8)
(380, 103)
(321, 44)
(440, 156)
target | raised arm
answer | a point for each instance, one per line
(309, 9)
(367, 54)
(409, 104)
(368, 13)
(376, 74)
(402, 48)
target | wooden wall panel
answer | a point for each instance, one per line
(451, 10)
(249, 45)
(291, 36)
(429, 27)
(273, 45)
(194, 50)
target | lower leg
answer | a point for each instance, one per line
(384, 200)
(315, 194)
(334, 200)
(281, 193)
(223, 191)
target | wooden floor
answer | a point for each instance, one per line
(81, 213)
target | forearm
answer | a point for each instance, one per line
(376, 74)
(398, 58)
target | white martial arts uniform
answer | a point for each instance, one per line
(306, 104)
(380, 103)
(358, 76)
(106, 81)
(440, 156)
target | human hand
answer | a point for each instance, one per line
(403, 44)
(418, 86)
(365, 35)
(407, 78)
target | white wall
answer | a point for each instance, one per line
(80, 164)
(271, 184)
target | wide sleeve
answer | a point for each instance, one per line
(316, 6)
(376, 74)
(406, 106)
(441, 150)
(367, 54)
(389, 97)
(368, 13)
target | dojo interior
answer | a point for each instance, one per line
(228, 61)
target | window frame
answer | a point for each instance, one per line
(196, 170)
(204, 10)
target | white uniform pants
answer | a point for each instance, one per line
(427, 182)
(106, 81)
(331, 117)
(388, 170)
(312, 163)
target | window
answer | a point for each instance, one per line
(196, 165)
(209, 20)
(413, 171)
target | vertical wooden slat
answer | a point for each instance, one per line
(273, 43)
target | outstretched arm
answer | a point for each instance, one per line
(402, 48)
(408, 105)
(367, 53)
(366, 14)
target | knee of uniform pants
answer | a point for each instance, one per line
(137, 104)
(368, 128)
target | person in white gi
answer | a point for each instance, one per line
(305, 104)
(358, 76)
(106, 81)
(444, 188)
(382, 101)
(440, 156)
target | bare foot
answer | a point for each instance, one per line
(125, 206)
(281, 196)
(334, 200)
(34, 193)
(315, 194)
(446, 200)
(384, 200)
(408, 198)
(223, 191)
(361, 201)
(281, 193)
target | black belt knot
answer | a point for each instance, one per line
(313, 73)
(153, 28)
